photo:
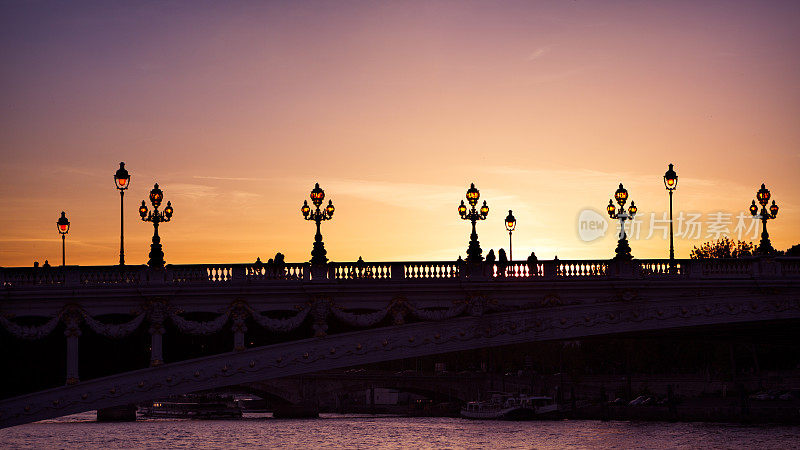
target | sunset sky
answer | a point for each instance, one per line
(236, 109)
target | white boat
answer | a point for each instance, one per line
(506, 406)
(191, 408)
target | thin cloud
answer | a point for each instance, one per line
(556, 76)
(410, 195)
(538, 53)
(229, 178)
(193, 191)
(72, 241)
(204, 192)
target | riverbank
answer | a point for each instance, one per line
(712, 410)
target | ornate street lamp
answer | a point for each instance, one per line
(318, 216)
(671, 183)
(122, 179)
(763, 195)
(156, 197)
(474, 252)
(511, 223)
(63, 229)
(621, 195)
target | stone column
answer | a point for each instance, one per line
(319, 311)
(239, 329)
(156, 357)
(156, 331)
(72, 332)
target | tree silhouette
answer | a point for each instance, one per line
(723, 248)
(793, 251)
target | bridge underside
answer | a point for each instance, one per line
(391, 343)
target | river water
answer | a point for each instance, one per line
(354, 431)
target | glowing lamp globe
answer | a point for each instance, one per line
(754, 208)
(156, 196)
(621, 195)
(763, 195)
(122, 178)
(462, 209)
(773, 210)
(473, 195)
(611, 208)
(511, 221)
(143, 210)
(305, 209)
(330, 209)
(671, 179)
(63, 224)
(317, 195)
(168, 211)
(484, 209)
(632, 210)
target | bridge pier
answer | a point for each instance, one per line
(306, 408)
(124, 413)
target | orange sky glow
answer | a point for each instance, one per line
(236, 109)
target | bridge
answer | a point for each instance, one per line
(337, 315)
(460, 387)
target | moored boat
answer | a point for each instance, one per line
(191, 408)
(510, 407)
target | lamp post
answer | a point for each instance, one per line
(511, 223)
(155, 216)
(63, 229)
(671, 183)
(763, 195)
(621, 195)
(122, 179)
(318, 216)
(473, 215)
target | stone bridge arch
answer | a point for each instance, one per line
(390, 343)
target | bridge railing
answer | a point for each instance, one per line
(663, 268)
(222, 273)
(428, 270)
(422, 271)
(359, 271)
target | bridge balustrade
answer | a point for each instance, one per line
(26, 276)
(658, 268)
(264, 272)
(359, 271)
(418, 271)
(575, 269)
(728, 268)
(212, 274)
(790, 267)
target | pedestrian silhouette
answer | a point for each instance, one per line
(279, 265)
(502, 262)
(490, 258)
(533, 267)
